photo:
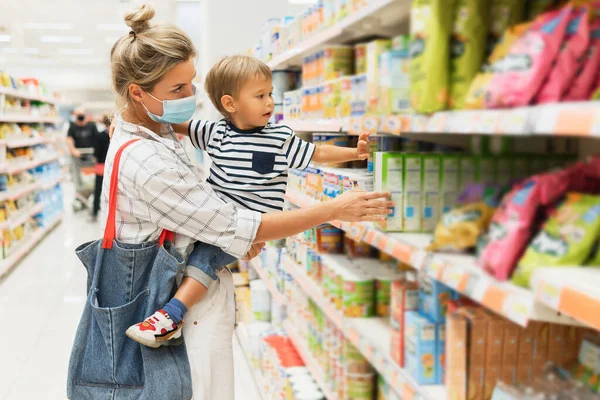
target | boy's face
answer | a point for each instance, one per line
(254, 104)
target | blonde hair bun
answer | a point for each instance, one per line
(139, 20)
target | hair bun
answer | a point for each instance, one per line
(139, 20)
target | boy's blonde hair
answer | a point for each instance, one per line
(147, 53)
(228, 76)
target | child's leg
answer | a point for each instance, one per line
(200, 273)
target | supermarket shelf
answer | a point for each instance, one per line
(18, 192)
(30, 119)
(370, 335)
(51, 183)
(21, 217)
(26, 96)
(560, 119)
(275, 294)
(459, 272)
(22, 142)
(311, 364)
(242, 338)
(13, 169)
(570, 290)
(25, 248)
(377, 15)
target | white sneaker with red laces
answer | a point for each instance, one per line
(157, 330)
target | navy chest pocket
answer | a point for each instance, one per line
(262, 162)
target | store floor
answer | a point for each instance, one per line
(40, 306)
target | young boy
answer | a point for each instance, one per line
(251, 159)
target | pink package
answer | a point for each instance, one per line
(569, 60)
(583, 85)
(519, 76)
(513, 223)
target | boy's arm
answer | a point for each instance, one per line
(199, 131)
(334, 154)
(183, 128)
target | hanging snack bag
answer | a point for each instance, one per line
(503, 14)
(468, 47)
(567, 238)
(479, 87)
(519, 76)
(431, 26)
(583, 84)
(569, 60)
(460, 228)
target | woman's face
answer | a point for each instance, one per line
(176, 84)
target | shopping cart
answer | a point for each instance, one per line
(84, 177)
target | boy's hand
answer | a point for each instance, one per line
(363, 147)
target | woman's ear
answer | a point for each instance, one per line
(136, 92)
(228, 103)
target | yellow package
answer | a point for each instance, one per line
(479, 87)
(460, 228)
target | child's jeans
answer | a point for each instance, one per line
(204, 262)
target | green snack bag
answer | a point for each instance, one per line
(430, 28)
(566, 239)
(469, 43)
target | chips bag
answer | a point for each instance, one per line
(519, 76)
(567, 238)
(459, 229)
(476, 97)
(468, 48)
(569, 60)
(583, 84)
(431, 25)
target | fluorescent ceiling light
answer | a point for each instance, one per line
(76, 52)
(111, 27)
(31, 50)
(9, 50)
(4, 38)
(48, 26)
(61, 39)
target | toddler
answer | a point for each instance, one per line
(250, 163)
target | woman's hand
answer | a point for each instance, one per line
(254, 251)
(360, 206)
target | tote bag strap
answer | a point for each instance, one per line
(110, 231)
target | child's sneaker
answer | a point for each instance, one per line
(157, 330)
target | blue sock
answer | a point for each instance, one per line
(176, 309)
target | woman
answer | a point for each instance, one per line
(157, 189)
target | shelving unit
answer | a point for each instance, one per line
(242, 338)
(9, 263)
(26, 96)
(275, 294)
(28, 119)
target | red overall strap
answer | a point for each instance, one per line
(110, 231)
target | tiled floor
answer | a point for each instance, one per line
(40, 306)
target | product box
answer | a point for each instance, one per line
(434, 297)
(588, 362)
(494, 353)
(512, 333)
(345, 106)
(432, 175)
(541, 347)
(487, 170)
(401, 42)
(449, 184)
(360, 58)
(556, 343)
(526, 351)
(337, 62)
(404, 298)
(394, 82)
(413, 189)
(478, 328)
(329, 100)
(457, 346)
(358, 103)
(374, 51)
(469, 171)
(440, 366)
(421, 348)
(572, 343)
(388, 177)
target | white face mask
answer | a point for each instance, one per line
(175, 111)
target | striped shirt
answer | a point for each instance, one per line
(250, 167)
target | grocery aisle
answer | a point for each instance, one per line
(43, 298)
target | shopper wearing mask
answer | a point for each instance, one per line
(153, 190)
(81, 135)
(101, 143)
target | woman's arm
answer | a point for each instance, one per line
(351, 206)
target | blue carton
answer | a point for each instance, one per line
(422, 355)
(433, 298)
